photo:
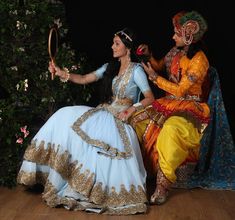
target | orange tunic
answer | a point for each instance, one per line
(183, 98)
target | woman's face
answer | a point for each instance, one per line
(119, 48)
(178, 39)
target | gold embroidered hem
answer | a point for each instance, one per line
(128, 200)
(109, 202)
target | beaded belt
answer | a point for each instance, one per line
(187, 98)
(124, 101)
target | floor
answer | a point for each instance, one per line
(196, 204)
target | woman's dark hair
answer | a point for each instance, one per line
(127, 37)
(106, 83)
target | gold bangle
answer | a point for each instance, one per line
(66, 78)
(138, 106)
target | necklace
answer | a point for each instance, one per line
(172, 61)
(120, 81)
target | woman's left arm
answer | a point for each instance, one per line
(141, 81)
(147, 100)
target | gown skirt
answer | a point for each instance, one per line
(87, 159)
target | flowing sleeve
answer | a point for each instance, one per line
(100, 71)
(141, 80)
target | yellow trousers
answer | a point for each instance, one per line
(177, 139)
(176, 142)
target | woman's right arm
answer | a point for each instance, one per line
(76, 78)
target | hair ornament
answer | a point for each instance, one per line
(123, 33)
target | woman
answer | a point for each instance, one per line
(89, 158)
(171, 128)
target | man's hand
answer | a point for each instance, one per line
(150, 71)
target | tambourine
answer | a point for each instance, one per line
(53, 45)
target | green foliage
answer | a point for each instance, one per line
(32, 96)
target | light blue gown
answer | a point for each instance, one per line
(88, 159)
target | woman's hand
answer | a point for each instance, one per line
(51, 67)
(126, 114)
(57, 71)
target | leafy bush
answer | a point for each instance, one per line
(31, 97)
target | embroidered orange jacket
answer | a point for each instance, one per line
(184, 95)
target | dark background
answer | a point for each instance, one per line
(93, 23)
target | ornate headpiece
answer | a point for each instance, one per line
(190, 25)
(123, 33)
